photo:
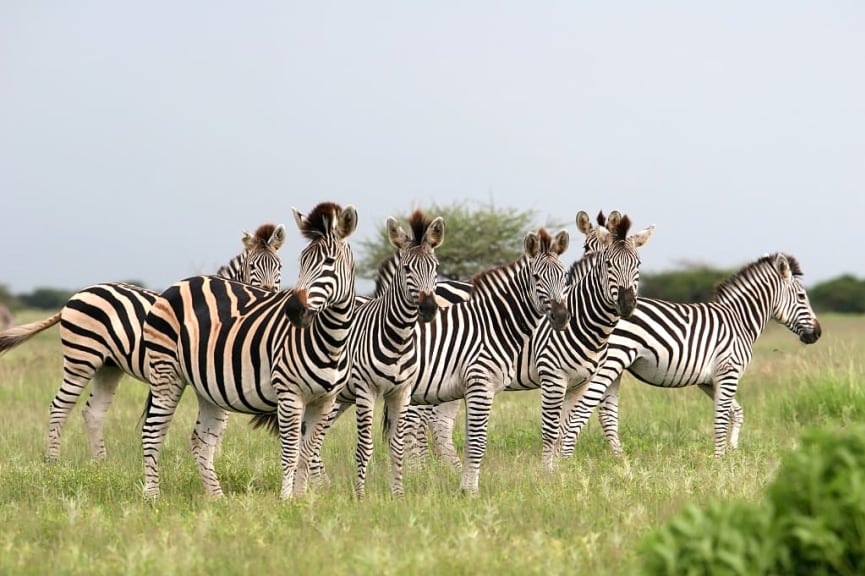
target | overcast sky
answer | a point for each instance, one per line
(139, 139)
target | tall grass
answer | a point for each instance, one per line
(83, 517)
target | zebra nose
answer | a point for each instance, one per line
(811, 336)
(427, 306)
(559, 315)
(297, 310)
(626, 301)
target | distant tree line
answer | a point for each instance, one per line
(481, 235)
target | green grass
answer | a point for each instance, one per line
(83, 517)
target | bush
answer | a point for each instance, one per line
(811, 522)
(728, 538)
(819, 497)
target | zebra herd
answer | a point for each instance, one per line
(297, 359)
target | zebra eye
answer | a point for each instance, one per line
(329, 261)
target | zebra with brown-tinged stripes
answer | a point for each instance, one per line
(709, 345)
(246, 350)
(100, 329)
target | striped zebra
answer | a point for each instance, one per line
(470, 350)
(708, 345)
(100, 329)
(246, 350)
(602, 288)
(382, 346)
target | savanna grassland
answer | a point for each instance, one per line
(85, 517)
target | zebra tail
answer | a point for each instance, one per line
(17, 334)
(269, 421)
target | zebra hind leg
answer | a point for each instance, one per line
(101, 396)
(608, 415)
(314, 420)
(207, 435)
(442, 421)
(165, 392)
(398, 403)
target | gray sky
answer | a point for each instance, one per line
(138, 140)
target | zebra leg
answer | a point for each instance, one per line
(317, 471)
(398, 402)
(415, 427)
(166, 389)
(289, 412)
(206, 437)
(364, 405)
(724, 393)
(580, 414)
(442, 421)
(737, 416)
(312, 435)
(76, 376)
(553, 391)
(608, 414)
(101, 396)
(479, 402)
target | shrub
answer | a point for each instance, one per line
(729, 538)
(819, 498)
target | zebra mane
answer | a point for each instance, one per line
(484, 277)
(581, 267)
(263, 234)
(319, 222)
(621, 231)
(418, 223)
(726, 286)
(385, 274)
(602, 220)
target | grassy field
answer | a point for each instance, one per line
(83, 517)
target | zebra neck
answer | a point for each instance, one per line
(397, 313)
(752, 307)
(592, 311)
(502, 295)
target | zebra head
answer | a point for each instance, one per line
(416, 264)
(790, 304)
(620, 260)
(326, 276)
(261, 265)
(548, 274)
(584, 224)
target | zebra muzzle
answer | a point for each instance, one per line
(427, 306)
(297, 310)
(627, 301)
(559, 315)
(811, 336)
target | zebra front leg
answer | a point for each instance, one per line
(442, 421)
(165, 394)
(363, 405)
(104, 386)
(416, 427)
(608, 414)
(479, 402)
(552, 400)
(289, 412)
(736, 416)
(398, 402)
(206, 436)
(724, 393)
(317, 471)
(312, 435)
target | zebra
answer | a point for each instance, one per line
(381, 342)
(247, 350)
(100, 329)
(602, 288)
(709, 345)
(469, 351)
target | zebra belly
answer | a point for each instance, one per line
(249, 391)
(668, 375)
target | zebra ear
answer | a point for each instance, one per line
(584, 223)
(277, 238)
(435, 233)
(561, 242)
(347, 222)
(782, 266)
(613, 220)
(532, 244)
(641, 237)
(397, 236)
(299, 217)
(248, 240)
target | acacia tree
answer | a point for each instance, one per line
(477, 237)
